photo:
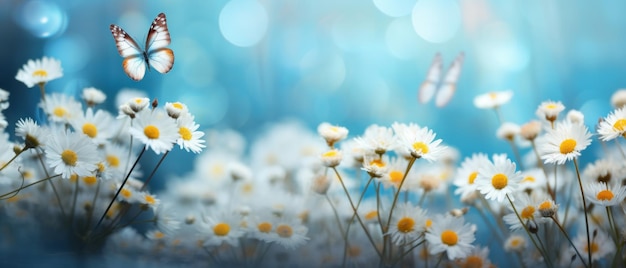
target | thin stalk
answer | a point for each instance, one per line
(544, 254)
(16, 191)
(569, 239)
(518, 157)
(54, 189)
(153, 171)
(13, 158)
(393, 204)
(74, 202)
(582, 193)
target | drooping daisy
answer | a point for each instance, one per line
(137, 104)
(39, 71)
(377, 139)
(96, 126)
(190, 138)
(176, 109)
(467, 174)
(31, 132)
(60, 107)
(93, 96)
(407, 224)
(564, 143)
(614, 125)
(530, 130)
(605, 194)
(549, 110)
(421, 143)
(496, 180)
(332, 134)
(452, 235)
(493, 99)
(603, 170)
(71, 153)
(376, 166)
(156, 130)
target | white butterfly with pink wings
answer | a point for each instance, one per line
(444, 90)
(155, 55)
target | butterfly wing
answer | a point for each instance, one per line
(134, 63)
(445, 93)
(159, 57)
(429, 86)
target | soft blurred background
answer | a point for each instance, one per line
(244, 64)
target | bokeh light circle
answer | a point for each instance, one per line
(243, 22)
(395, 8)
(437, 21)
(72, 62)
(401, 40)
(42, 19)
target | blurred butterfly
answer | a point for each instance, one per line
(443, 89)
(155, 54)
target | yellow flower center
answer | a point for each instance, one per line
(472, 177)
(221, 229)
(473, 262)
(527, 212)
(40, 72)
(567, 146)
(284, 231)
(529, 179)
(620, 125)
(516, 243)
(90, 180)
(73, 177)
(177, 105)
(101, 167)
(420, 147)
(371, 215)
(545, 205)
(151, 132)
(354, 251)
(159, 235)
(113, 160)
(331, 153)
(90, 130)
(378, 163)
(605, 195)
(550, 106)
(59, 112)
(138, 100)
(185, 133)
(499, 181)
(150, 199)
(449, 237)
(69, 157)
(493, 95)
(594, 247)
(126, 193)
(429, 223)
(265, 227)
(396, 176)
(406, 225)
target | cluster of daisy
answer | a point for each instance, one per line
(391, 196)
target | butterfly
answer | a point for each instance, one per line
(444, 89)
(155, 55)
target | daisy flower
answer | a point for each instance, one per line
(533, 179)
(493, 100)
(564, 143)
(377, 139)
(93, 96)
(515, 243)
(452, 235)
(376, 166)
(290, 233)
(137, 104)
(618, 99)
(478, 258)
(39, 71)
(96, 126)
(71, 153)
(603, 170)
(605, 194)
(601, 245)
(498, 178)
(332, 134)
(549, 110)
(331, 158)
(421, 143)
(30, 131)
(176, 109)
(575, 117)
(394, 173)
(60, 108)
(468, 172)
(407, 224)
(530, 130)
(614, 125)
(166, 219)
(190, 138)
(156, 130)
(507, 131)
(222, 228)
(527, 211)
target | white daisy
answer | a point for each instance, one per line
(408, 223)
(166, 218)
(493, 100)
(332, 134)
(528, 212)
(156, 130)
(176, 109)
(290, 233)
(331, 158)
(564, 143)
(605, 194)
(137, 104)
(530, 130)
(31, 132)
(614, 125)
(601, 245)
(96, 126)
(71, 153)
(515, 243)
(39, 71)
(60, 107)
(603, 170)
(498, 178)
(478, 257)
(222, 228)
(376, 166)
(395, 173)
(377, 139)
(507, 131)
(452, 235)
(190, 138)
(93, 96)
(421, 143)
(575, 117)
(549, 110)
(618, 99)
(468, 172)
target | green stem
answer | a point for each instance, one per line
(570, 240)
(582, 193)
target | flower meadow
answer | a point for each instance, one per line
(388, 196)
